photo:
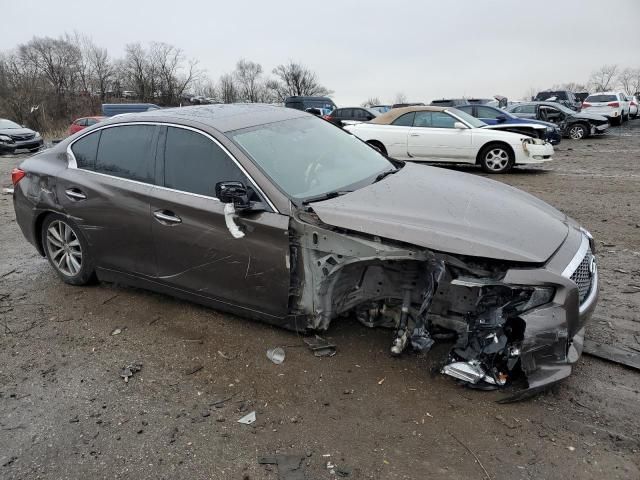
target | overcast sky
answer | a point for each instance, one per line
(361, 49)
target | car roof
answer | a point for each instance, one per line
(222, 117)
(391, 115)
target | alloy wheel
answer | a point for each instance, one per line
(64, 248)
(497, 159)
(577, 132)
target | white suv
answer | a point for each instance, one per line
(613, 105)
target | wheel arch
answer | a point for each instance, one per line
(496, 143)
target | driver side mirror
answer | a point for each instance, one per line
(233, 192)
(460, 126)
(501, 118)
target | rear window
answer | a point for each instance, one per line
(126, 152)
(601, 98)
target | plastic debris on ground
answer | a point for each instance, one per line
(276, 355)
(248, 419)
(290, 467)
(320, 347)
(129, 370)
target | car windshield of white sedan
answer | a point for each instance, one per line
(309, 157)
(470, 119)
(8, 124)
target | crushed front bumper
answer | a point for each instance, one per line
(554, 333)
(536, 151)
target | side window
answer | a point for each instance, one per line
(442, 120)
(85, 150)
(405, 120)
(337, 113)
(466, 108)
(526, 109)
(82, 122)
(127, 152)
(91, 121)
(347, 113)
(423, 119)
(485, 112)
(194, 164)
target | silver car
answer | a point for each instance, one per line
(275, 214)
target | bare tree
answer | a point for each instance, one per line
(228, 89)
(400, 98)
(102, 69)
(296, 79)
(603, 79)
(570, 86)
(371, 101)
(629, 80)
(248, 75)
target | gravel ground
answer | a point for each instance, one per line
(66, 413)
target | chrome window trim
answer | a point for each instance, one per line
(72, 163)
(577, 258)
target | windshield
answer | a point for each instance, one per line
(309, 157)
(601, 98)
(8, 124)
(470, 119)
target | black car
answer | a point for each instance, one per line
(575, 125)
(353, 114)
(15, 137)
(449, 102)
(563, 97)
(325, 104)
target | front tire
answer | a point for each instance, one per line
(578, 131)
(67, 250)
(496, 158)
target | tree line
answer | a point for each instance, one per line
(47, 82)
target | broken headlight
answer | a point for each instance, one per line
(539, 296)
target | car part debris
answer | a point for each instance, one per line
(248, 419)
(290, 467)
(320, 346)
(276, 355)
(470, 372)
(116, 331)
(129, 370)
(229, 212)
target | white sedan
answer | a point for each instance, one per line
(437, 134)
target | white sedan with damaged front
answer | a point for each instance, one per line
(436, 134)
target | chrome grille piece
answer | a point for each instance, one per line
(583, 275)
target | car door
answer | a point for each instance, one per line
(106, 191)
(526, 111)
(195, 249)
(434, 137)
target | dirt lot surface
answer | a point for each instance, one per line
(65, 412)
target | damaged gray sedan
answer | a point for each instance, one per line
(275, 214)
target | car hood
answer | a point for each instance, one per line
(451, 212)
(16, 131)
(590, 116)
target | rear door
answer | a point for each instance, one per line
(195, 249)
(106, 191)
(526, 111)
(434, 137)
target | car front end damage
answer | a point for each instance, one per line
(511, 324)
(534, 150)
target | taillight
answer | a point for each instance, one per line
(613, 104)
(17, 175)
(585, 104)
(327, 117)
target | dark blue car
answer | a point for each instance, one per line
(496, 116)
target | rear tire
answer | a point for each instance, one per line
(496, 158)
(67, 250)
(578, 131)
(617, 121)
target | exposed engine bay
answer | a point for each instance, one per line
(423, 296)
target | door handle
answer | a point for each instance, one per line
(75, 194)
(414, 135)
(166, 216)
